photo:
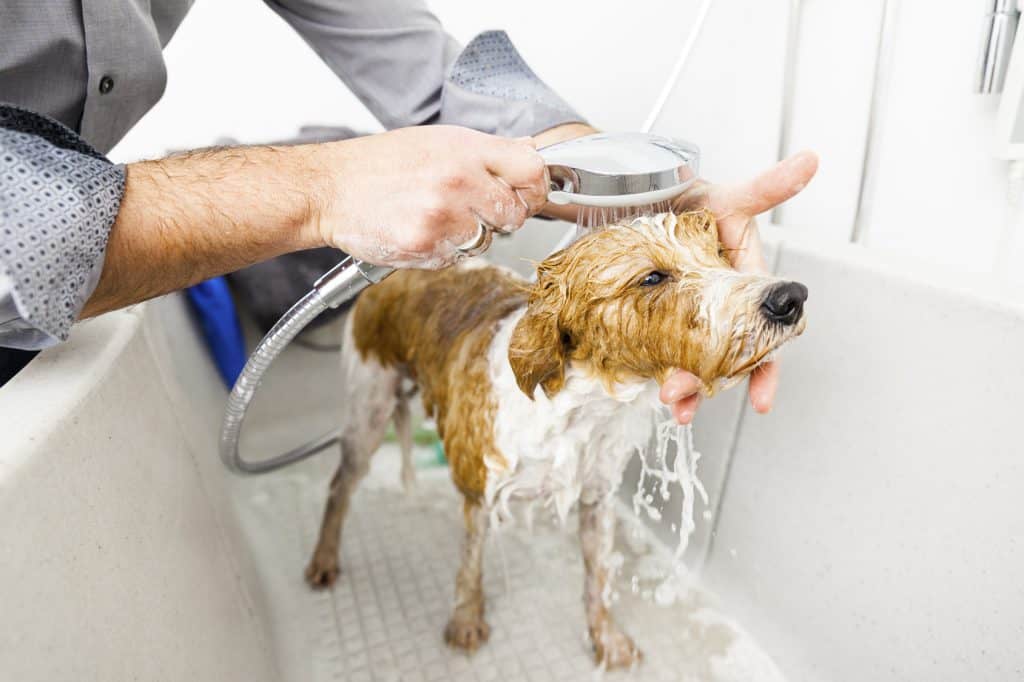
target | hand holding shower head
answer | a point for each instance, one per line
(609, 175)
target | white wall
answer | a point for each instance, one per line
(934, 189)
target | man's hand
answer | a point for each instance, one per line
(735, 208)
(410, 197)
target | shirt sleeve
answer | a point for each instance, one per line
(398, 60)
(58, 201)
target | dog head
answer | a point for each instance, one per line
(641, 299)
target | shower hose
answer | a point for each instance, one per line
(339, 284)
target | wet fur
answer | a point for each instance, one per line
(540, 391)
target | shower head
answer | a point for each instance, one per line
(619, 170)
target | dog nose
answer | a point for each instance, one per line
(784, 303)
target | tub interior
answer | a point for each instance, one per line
(867, 529)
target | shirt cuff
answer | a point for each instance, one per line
(58, 201)
(491, 88)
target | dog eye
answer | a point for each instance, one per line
(653, 279)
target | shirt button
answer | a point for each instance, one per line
(106, 85)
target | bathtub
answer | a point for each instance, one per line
(869, 529)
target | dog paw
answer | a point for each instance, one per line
(466, 633)
(615, 650)
(321, 574)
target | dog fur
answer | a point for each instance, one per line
(542, 391)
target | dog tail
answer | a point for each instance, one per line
(402, 419)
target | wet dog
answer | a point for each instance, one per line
(542, 391)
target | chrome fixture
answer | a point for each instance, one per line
(996, 44)
(619, 169)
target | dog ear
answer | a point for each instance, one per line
(539, 348)
(537, 353)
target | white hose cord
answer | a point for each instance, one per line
(677, 68)
(670, 83)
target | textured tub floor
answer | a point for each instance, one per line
(384, 617)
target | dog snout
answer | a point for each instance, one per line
(784, 303)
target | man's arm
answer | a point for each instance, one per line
(189, 217)
(186, 218)
(407, 198)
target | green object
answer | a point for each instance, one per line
(420, 436)
(424, 436)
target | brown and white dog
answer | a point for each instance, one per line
(542, 391)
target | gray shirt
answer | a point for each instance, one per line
(96, 67)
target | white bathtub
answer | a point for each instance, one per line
(869, 529)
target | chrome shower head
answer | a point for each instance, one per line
(619, 170)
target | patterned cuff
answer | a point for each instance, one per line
(58, 201)
(491, 88)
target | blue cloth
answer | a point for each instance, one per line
(212, 302)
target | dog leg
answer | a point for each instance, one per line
(372, 391)
(402, 419)
(467, 629)
(612, 648)
(323, 567)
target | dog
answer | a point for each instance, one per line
(543, 391)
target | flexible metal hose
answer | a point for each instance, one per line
(338, 285)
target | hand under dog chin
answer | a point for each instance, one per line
(728, 382)
(757, 359)
(709, 387)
